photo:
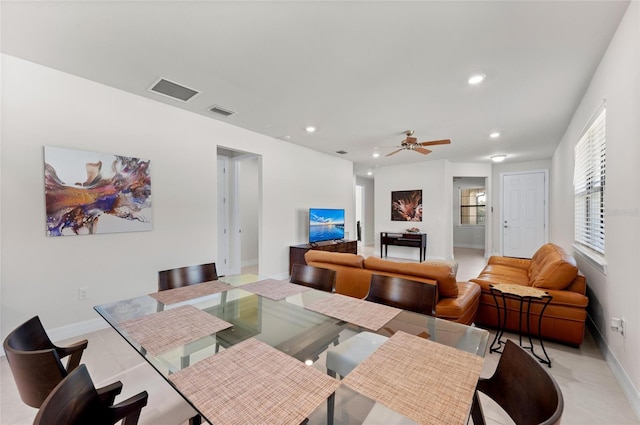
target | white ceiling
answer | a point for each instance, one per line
(362, 72)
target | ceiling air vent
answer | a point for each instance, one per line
(173, 90)
(341, 152)
(216, 109)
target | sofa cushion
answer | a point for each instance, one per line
(340, 258)
(463, 308)
(506, 273)
(552, 268)
(444, 272)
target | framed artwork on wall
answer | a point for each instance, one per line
(90, 193)
(406, 205)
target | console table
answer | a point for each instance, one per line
(296, 252)
(415, 240)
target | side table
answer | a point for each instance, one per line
(523, 294)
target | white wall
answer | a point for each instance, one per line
(41, 275)
(249, 207)
(618, 292)
(432, 178)
(368, 210)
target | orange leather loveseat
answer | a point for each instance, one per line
(456, 301)
(550, 269)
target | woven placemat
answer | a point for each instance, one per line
(163, 331)
(423, 380)
(253, 383)
(185, 293)
(274, 289)
(355, 311)
(519, 290)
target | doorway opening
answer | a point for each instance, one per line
(239, 206)
(359, 216)
(470, 203)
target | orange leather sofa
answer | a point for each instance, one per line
(456, 301)
(550, 269)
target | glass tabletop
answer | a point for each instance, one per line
(284, 324)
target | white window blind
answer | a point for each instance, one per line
(589, 185)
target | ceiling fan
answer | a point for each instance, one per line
(411, 144)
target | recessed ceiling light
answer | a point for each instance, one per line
(369, 173)
(498, 158)
(287, 137)
(495, 135)
(310, 129)
(375, 154)
(476, 79)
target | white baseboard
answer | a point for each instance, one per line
(465, 245)
(249, 263)
(280, 276)
(628, 388)
(76, 329)
(73, 331)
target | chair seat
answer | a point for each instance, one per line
(344, 357)
(165, 405)
(382, 415)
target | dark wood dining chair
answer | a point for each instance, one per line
(403, 293)
(313, 277)
(184, 276)
(76, 401)
(35, 362)
(523, 388)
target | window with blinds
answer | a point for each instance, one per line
(589, 185)
(473, 206)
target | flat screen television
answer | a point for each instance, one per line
(325, 224)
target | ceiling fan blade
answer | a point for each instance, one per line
(423, 151)
(435, 142)
(396, 151)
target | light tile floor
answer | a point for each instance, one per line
(592, 395)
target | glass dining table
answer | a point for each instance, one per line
(197, 345)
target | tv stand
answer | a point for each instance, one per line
(296, 252)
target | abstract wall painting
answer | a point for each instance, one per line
(90, 193)
(406, 205)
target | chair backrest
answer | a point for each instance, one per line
(403, 293)
(313, 277)
(34, 361)
(523, 388)
(184, 276)
(76, 401)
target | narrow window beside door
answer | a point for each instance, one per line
(589, 186)
(473, 203)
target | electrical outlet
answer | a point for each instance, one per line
(617, 325)
(83, 293)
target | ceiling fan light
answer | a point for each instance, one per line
(476, 79)
(498, 158)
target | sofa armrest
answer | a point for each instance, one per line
(520, 263)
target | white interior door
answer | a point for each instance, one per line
(524, 213)
(222, 263)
